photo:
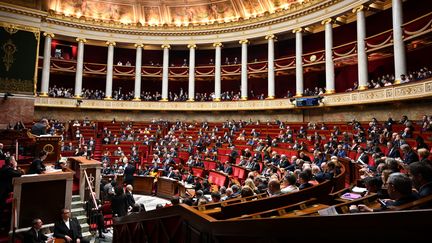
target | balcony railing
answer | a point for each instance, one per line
(414, 90)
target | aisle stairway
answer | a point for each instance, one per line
(78, 211)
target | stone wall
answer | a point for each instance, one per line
(16, 108)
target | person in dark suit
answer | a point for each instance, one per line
(409, 156)
(129, 197)
(304, 178)
(37, 166)
(129, 174)
(392, 151)
(362, 158)
(40, 128)
(228, 168)
(421, 175)
(94, 213)
(119, 202)
(7, 173)
(34, 234)
(68, 228)
(2, 153)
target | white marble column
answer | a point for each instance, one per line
(218, 61)
(271, 67)
(191, 89)
(79, 67)
(329, 64)
(398, 43)
(138, 60)
(244, 70)
(361, 48)
(165, 70)
(299, 61)
(109, 75)
(46, 64)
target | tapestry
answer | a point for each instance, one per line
(18, 58)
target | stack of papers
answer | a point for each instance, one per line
(328, 211)
(351, 196)
(357, 189)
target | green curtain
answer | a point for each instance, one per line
(18, 58)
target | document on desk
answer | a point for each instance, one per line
(328, 211)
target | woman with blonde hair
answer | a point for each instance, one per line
(250, 183)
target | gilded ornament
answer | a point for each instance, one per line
(9, 50)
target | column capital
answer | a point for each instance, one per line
(47, 34)
(83, 40)
(191, 46)
(165, 46)
(139, 45)
(217, 44)
(244, 41)
(297, 30)
(358, 9)
(326, 21)
(270, 37)
(110, 43)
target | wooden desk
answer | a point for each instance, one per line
(307, 211)
(44, 194)
(143, 185)
(166, 187)
(93, 168)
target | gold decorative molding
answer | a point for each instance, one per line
(217, 44)
(47, 34)
(165, 46)
(363, 87)
(297, 30)
(330, 91)
(244, 42)
(326, 21)
(139, 45)
(191, 46)
(83, 40)
(110, 43)
(358, 9)
(270, 37)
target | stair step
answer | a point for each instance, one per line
(78, 211)
(76, 198)
(82, 219)
(87, 235)
(77, 204)
(85, 227)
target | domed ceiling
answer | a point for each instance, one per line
(160, 12)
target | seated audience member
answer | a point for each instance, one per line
(421, 175)
(399, 188)
(68, 229)
(215, 196)
(392, 151)
(9, 170)
(35, 235)
(289, 184)
(424, 156)
(273, 188)
(246, 192)
(304, 178)
(409, 156)
(37, 166)
(40, 128)
(374, 184)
